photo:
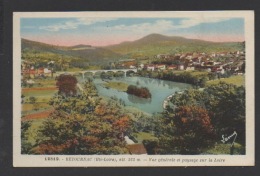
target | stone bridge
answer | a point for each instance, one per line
(96, 71)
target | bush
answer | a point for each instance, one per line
(142, 92)
(67, 84)
(188, 131)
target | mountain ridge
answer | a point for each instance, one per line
(86, 52)
(147, 46)
(154, 44)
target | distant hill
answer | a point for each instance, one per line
(154, 44)
(92, 54)
(81, 47)
(148, 46)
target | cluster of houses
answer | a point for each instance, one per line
(28, 70)
(213, 62)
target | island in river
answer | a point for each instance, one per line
(142, 92)
(159, 89)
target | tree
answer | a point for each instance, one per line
(76, 133)
(36, 106)
(187, 131)
(26, 146)
(22, 97)
(225, 104)
(142, 92)
(151, 146)
(32, 100)
(62, 63)
(203, 81)
(84, 124)
(67, 85)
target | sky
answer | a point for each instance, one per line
(107, 31)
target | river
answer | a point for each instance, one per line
(160, 90)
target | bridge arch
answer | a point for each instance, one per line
(127, 73)
(120, 73)
(113, 71)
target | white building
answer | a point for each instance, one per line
(46, 71)
(150, 67)
(189, 68)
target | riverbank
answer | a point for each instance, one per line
(238, 80)
(159, 89)
(120, 86)
(167, 100)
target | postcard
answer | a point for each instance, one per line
(114, 89)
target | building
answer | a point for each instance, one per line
(132, 67)
(180, 67)
(137, 149)
(46, 71)
(40, 71)
(141, 66)
(172, 67)
(189, 68)
(161, 67)
(150, 67)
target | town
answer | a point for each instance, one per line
(213, 62)
(220, 63)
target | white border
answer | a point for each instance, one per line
(91, 160)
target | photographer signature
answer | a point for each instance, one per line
(225, 139)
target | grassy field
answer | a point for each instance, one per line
(48, 82)
(120, 86)
(224, 149)
(41, 114)
(192, 72)
(43, 90)
(40, 95)
(94, 67)
(30, 108)
(238, 80)
(144, 136)
(74, 69)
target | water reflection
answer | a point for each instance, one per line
(136, 100)
(160, 89)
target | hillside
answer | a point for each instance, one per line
(154, 44)
(148, 46)
(85, 52)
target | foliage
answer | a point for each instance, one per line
(225, 104)
(197, 78)
(26, 146)
(84, 124)
(77, 134)
(32, 100)
(67, 84)
(187, 131)
(142, 92)
(151, 146)
(220, 148)
(144, 123)
(197, 119)
(82, 103)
